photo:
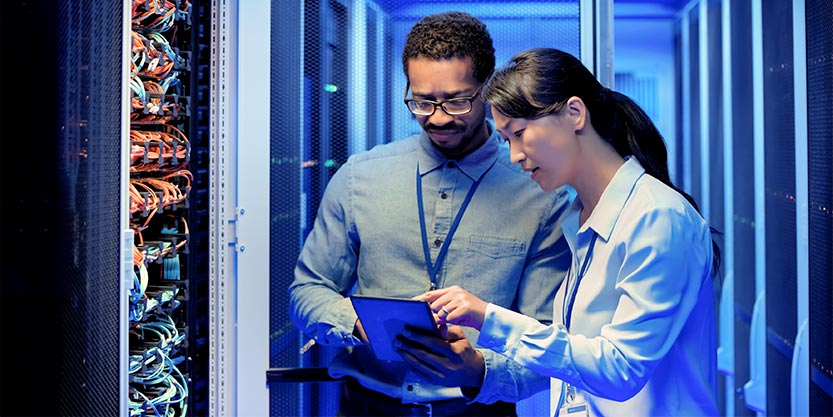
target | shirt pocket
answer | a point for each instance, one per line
(496, 247)
(493, 267)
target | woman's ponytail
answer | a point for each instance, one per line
(633, 133)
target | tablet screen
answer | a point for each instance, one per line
(383, 318)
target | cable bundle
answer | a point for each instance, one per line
(157, 387)
(149, 195)
(154, 79)
(165, 150)
(170, 242)
(153, 56)
(154, 14)
(159, 186)
(155, 101)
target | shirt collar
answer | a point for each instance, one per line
(473, 164)
(613, 199)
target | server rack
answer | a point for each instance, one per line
(69, 233)
(773, 203)
(168, 188)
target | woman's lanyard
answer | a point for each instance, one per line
(567, 311)
(567, 391)
(433, 268)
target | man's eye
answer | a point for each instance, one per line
(519, 133)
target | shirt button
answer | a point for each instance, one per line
(438, 242)
(443, 196)
(410, 387)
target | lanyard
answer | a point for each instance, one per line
(567, 391)
(567, 312)
(433, 268)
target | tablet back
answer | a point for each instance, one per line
(383, 318)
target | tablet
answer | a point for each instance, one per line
(383, 318)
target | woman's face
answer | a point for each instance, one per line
(545, 147)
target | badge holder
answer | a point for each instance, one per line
(570, 408)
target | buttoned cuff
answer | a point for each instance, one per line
(491, 389)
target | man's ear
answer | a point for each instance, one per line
(577, 112)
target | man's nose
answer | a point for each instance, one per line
(440, 117)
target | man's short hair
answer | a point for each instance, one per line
(451, 35)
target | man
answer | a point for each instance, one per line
(442, 208)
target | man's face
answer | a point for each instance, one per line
(455, 136)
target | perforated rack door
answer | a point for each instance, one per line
(60, 210)
(820, 188)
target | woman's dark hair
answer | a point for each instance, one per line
(451, 35)
(538, 82)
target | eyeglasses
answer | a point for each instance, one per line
(452, 107)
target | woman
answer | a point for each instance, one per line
(634, 330)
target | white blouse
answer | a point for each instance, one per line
(642, 339)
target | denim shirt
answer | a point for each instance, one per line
(508, 250)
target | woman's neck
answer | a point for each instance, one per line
(599, 164)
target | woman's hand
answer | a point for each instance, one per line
(455, 305)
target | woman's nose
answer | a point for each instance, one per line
(515, 156)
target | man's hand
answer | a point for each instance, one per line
(452, 362)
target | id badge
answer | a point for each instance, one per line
(574, 410)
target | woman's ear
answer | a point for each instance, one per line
(577, 112)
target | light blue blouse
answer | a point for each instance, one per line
(508, 249)
(642, 339)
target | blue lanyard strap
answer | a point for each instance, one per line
(433, 268)
(573, 293)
